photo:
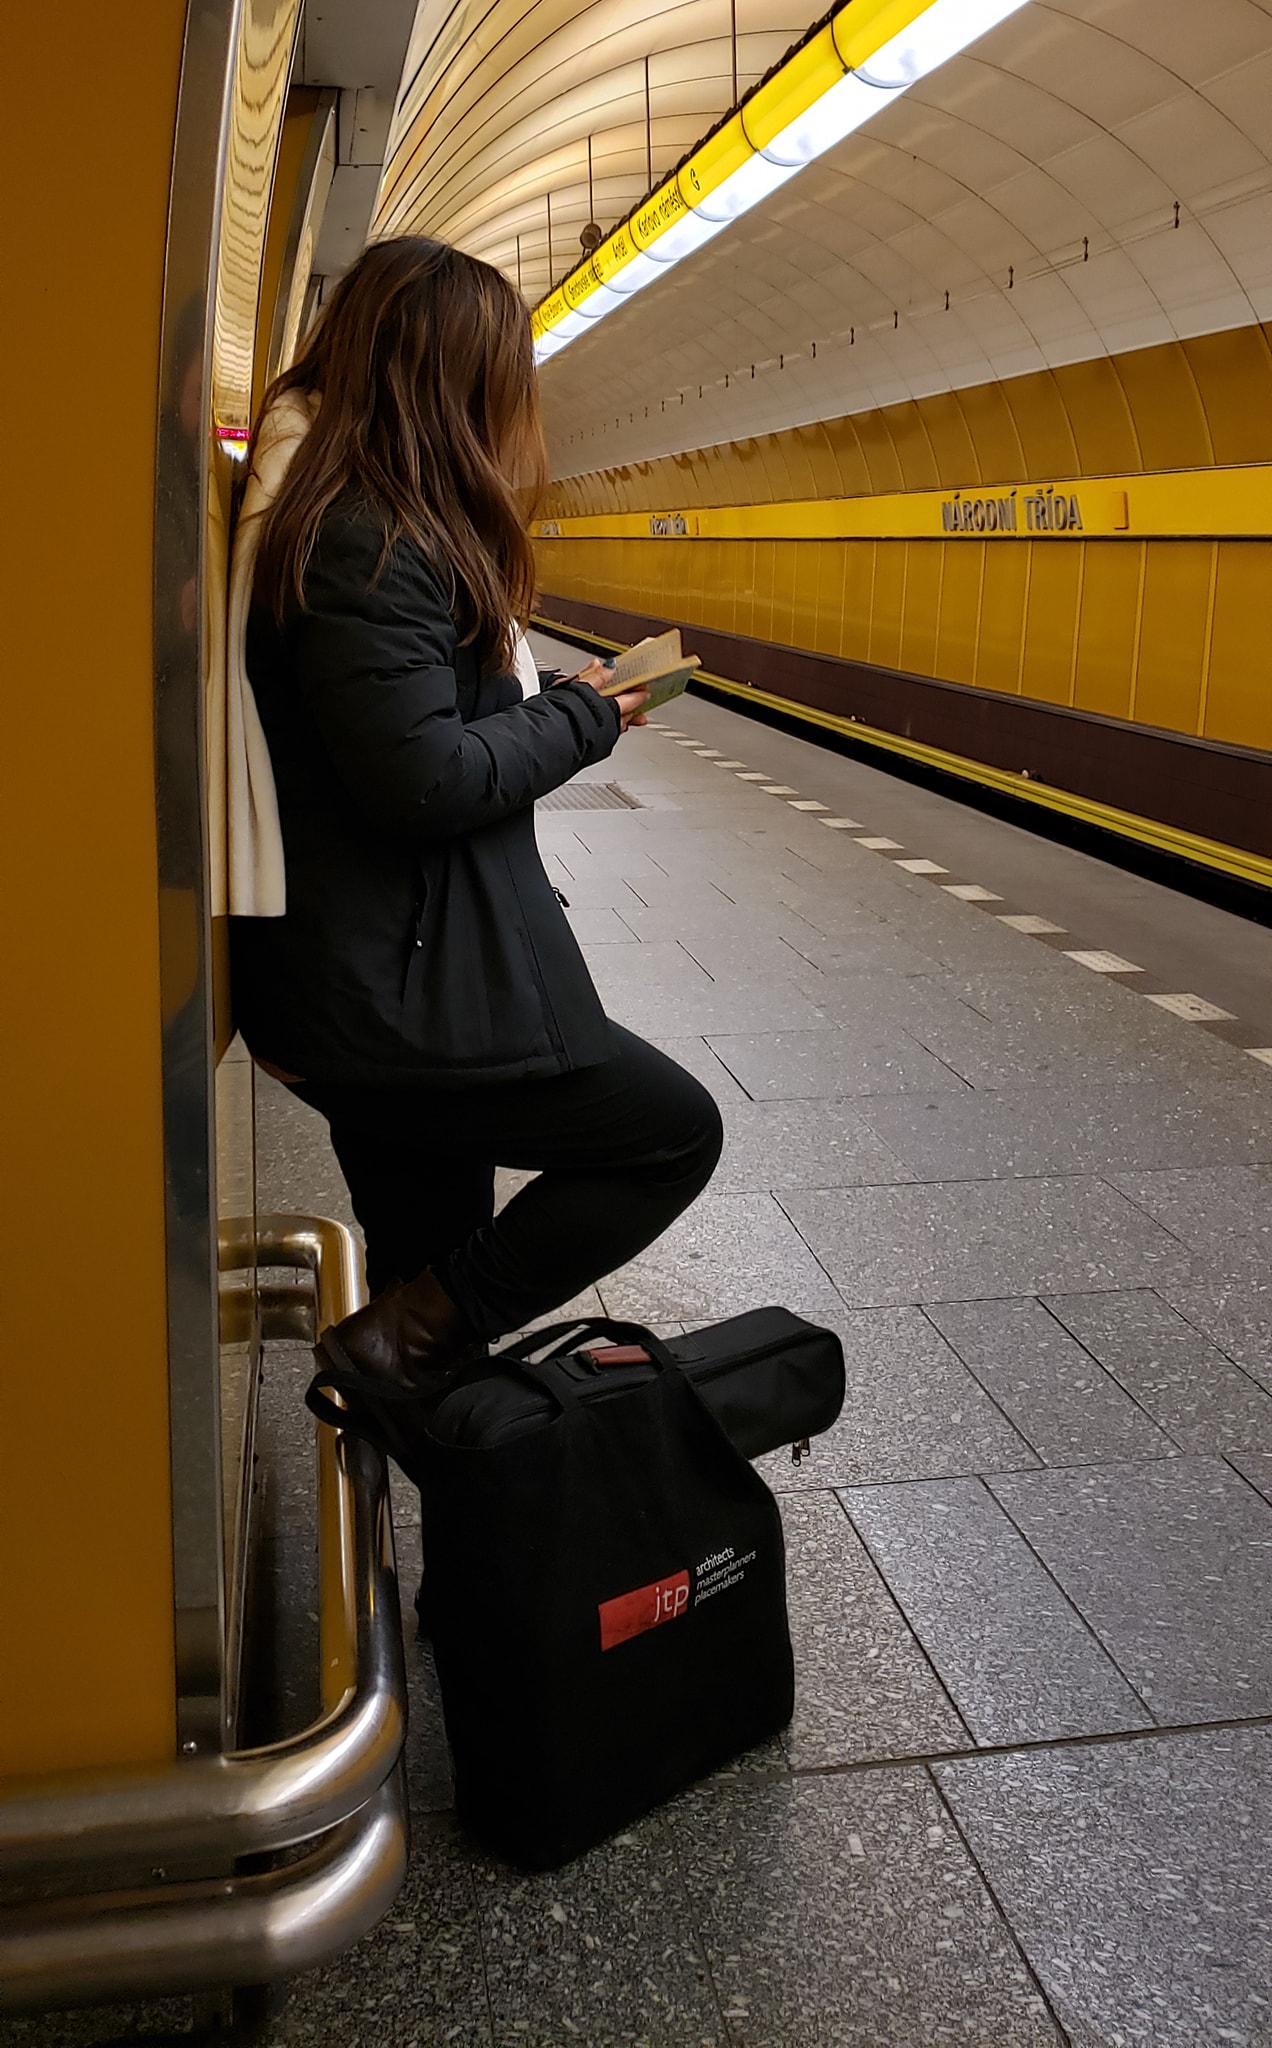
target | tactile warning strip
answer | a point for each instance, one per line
(590, 796)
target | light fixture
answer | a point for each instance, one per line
(929, 41)
(863, 58)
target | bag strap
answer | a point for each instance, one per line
(369, 1411)
(555, 1383)
(562, 1338)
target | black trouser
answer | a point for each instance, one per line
(620, 1150)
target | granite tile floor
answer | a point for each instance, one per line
(1026, 1798)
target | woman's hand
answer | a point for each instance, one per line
(631, 703)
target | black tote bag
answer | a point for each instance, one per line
(767, 1376)
(608, 1611)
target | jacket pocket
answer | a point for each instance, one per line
(471, 997)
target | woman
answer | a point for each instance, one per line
(424, 990)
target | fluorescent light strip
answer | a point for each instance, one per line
(942, 31)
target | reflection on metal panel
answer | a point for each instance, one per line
(180, 638)
(233, 85)
(262, 65)
(303, 230)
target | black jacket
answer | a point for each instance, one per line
(423, 941)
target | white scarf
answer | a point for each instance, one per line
(248, 878)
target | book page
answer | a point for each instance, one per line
(648, 658)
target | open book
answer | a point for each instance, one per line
(660, 664)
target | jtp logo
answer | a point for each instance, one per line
(632, 1614)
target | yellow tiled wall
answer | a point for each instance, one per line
(1169, 633)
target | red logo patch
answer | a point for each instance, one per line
(632, 1614)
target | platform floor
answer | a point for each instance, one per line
(1027, 1795)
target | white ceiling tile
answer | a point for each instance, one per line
(1243, 235)
(1106, 177)
(1079, 65)
(1027, 117)
(1197, 43)
(1190, 144)
(1043, 211)
(1245, 96)
(1191, 279)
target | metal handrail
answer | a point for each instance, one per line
(215, 1809)
(209, 1934)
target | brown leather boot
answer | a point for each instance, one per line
(412, 1338)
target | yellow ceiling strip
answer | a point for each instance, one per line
(855, 33)
(864, 26)
(719, 157)
(799, 84)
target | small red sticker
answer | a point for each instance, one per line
(634, 1613)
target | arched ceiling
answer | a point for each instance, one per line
(499, 104)
(1093, 176)
(1090, 177)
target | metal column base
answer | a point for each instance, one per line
(336, 1788)
(202, 1936)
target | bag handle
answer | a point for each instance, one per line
(562, 1338)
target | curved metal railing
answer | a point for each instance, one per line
(207, 1812)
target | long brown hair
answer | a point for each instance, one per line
(422, 372)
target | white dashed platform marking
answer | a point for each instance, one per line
(1194, 1009)
(1104, 963)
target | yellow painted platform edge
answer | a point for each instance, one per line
(1210, 853)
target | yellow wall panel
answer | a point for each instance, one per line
(1094, 398)
(823, 469)
(1173, 635)
(1166, 406)
(884, 646)
(786, 465)
(913, 445)
(859, 557)
(1002, 630)
(850, 457)
(958, 460)
(739, 562)
(781, 626)
(883, 467)
(992, 426)
(86, 1621)
(960, 612)
(1046, 435)
(1239, 697)
(1233, 371)
(1051, 617)
(922, 607)
(828, 632)
(1108, 629)
(805, 576)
